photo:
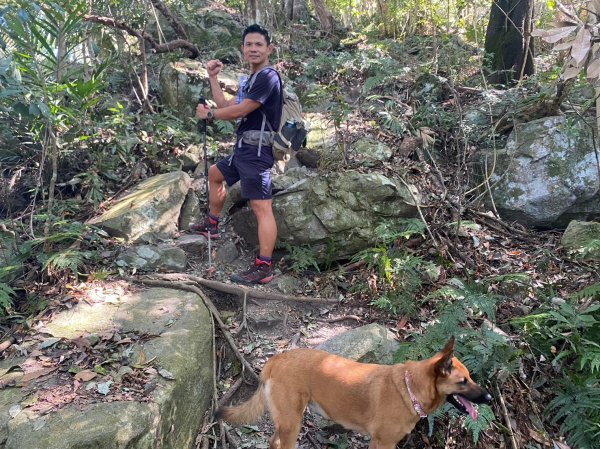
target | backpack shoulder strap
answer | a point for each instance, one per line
(281, 94)
(254, 75)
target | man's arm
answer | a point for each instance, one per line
(213, 68)
(217, 93)
(232, 112)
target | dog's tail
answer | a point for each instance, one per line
(246, 413)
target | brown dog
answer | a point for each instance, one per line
(385, 401)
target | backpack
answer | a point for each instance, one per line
(291, 134)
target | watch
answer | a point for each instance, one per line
(210, 115)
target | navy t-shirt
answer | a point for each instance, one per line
(267, 91)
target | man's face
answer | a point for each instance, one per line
(255, 49)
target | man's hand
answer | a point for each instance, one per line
(202, 111)
(213, 67)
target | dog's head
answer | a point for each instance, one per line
(454, 381)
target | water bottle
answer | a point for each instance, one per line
(290, 124)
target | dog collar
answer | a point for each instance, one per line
(413, 398)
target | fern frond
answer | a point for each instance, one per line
(68, 260)
(591, 291)
(483, 423)
(373, 81)
(388, 231)
(302, 258)
(5, 297)
(577, 409)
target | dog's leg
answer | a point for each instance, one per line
(274, 441)
(378, 444)
(286, 409)
(287, 425)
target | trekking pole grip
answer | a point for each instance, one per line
(202, 123)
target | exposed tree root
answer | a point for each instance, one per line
(240, 290)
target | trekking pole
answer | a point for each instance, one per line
(202, 124)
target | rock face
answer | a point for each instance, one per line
(369, 151)
(336, 213)
(150, 213)
(372, 343)
(172, 415)
(582, 240)
(183, 82)
(548, 174)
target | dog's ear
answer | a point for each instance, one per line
(444, 365)
(449, 348)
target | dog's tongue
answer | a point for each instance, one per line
(472, 411)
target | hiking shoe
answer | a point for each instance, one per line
(259, 273)
(208, 225)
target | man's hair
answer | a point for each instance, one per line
(255, 28)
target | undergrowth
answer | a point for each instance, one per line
(568, 335)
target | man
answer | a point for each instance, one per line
(251, 161)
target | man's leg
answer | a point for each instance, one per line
(217, 193)
(261, 271)
(267, 226)
(255, 175)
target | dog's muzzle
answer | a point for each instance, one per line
(466, 405)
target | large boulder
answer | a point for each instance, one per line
(547, 174)
(183, 82)
(333, 214)
(149, 213)
(176, 356)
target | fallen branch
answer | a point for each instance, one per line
(212, 309)
(240, 290)
(499, 226)
(343, 318)
(227, 396)
(7, 343)
(513, 442)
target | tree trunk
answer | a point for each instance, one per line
(324, 16)
(296, 10)
(508, 44)
(253, 12)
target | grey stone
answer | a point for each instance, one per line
(230, 55)
(428, 88)
(548, 174)
(287, 284)
(152, 258)
(331, 214)
(369, 150)
(579, 236)
(372, 343)
(194, 245)
(226, 252)
(150, 212)
(172, 416)
(265, 318)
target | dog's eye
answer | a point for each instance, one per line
(465, 381)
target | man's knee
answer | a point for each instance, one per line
(262, 208)
(215, 175)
